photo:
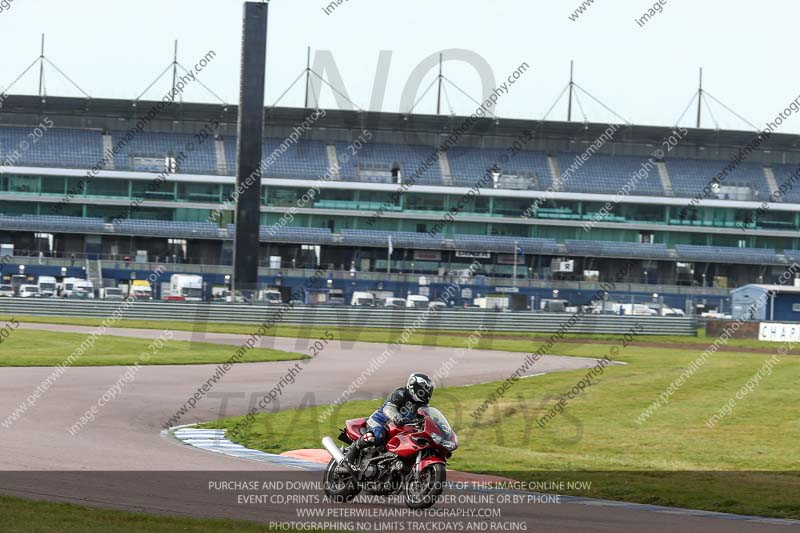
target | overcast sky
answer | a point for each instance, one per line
(647, 74)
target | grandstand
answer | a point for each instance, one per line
(350, 219)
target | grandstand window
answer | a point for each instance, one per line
(109, 188)
(191, 192)
(425, 202)
(18, 208)
(283, 197)
(23, 184)
(53, 185)
(508, 207)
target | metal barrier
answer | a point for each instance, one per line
(328, 316)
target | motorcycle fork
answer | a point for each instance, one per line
(416, 465)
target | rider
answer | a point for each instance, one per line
(400, 408)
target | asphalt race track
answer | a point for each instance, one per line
(114, 461)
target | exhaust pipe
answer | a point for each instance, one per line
(332, 449)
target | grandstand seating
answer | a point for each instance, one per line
(308, 159)
(304, 160)
(375, 159)
(715, 254)
(170, 229)
(399, 239)
(51, 223)
(469, 165)
(503, 244)
(57, 147)
(200, 160)
(609, 174)
(783, 175)
(618, 249)
(277, 233)
(689, 176)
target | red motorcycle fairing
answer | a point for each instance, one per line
(406, 444)
(429, 460)
(353, 427)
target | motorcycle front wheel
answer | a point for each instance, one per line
(424, 491)
(340, 488)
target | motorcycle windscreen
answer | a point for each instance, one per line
(439, 419)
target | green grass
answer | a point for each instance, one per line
(673, 459)
(447, 338)
(24, 516)
(26, 347)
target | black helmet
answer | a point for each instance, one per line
(420, 387)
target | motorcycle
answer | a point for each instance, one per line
(413, 461)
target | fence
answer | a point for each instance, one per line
(341, 316)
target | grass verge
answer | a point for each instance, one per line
(746, 464)
(498, 340)
(26, 347)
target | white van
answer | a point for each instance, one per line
(271, 297)
(47, 286)
(111, 293)
(394, 302)
(417, 301)
(77, 288)
(363, 299)
(29, 291)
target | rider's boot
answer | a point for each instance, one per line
(354, 452)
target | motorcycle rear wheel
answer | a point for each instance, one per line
(425, 491)
(339, 488)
